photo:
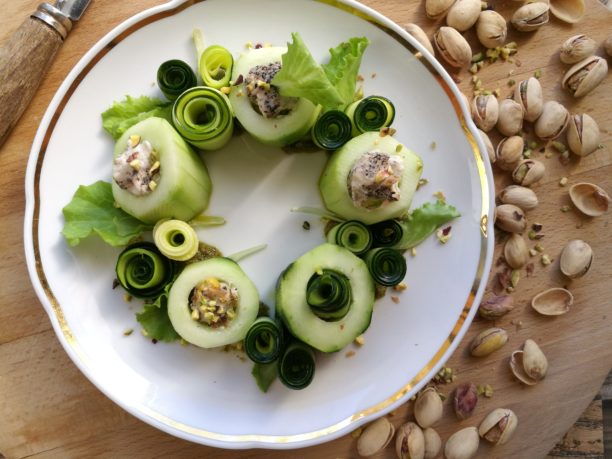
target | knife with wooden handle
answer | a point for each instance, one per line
(26, 56)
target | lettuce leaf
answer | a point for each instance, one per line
(343, 67)
(423, 221)
(156, 323)
(92, 210)
(123, 115)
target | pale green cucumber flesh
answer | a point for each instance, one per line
(201, 334)
(292, 307)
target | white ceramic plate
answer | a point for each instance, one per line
(210, 396)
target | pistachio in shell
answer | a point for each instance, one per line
(410, 442)
(453, 47)
(463, 444)
(433, 443)
(491, 29)
(582, 134)
(435, 9)
(552, 121)
(419, 35)
(520, 196)
(375, 437)
(509, 152)
(488, 145)
(463, 14)
(528, 94)
(553, 302)
(498, 426)
(516, 252)
(576, 259)
(485, 111)
(584, 76)
(535, 362)
(570, 11)
(577, 48)
(510, 218)
(528, 172)
(510, 120)
(428, 407)
(589, 199)
(488, 341)
(516, 366)
(530, 17)
(496, 307)
(608, 45)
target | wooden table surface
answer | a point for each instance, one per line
(49, 409)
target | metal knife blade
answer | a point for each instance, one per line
(72, 9)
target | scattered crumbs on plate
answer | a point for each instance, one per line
(395, 299)
(128, 332)
(349, 354)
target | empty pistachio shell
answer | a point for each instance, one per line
(516, 252)
(535, 363)
(567, 10)
(576, 258)
(428, 407)
(410, 442)
(375, 437)
(488, 145)
(463, 444)
(520, 196)
(433, 443)
(496, 307)
(485, 111)
(582, 134)
(528, 94)
(585, 75)
(530, 17)
(509, 152)
(465, 400)
(510, 120)
(589, 199)
(463, 14)
(437, 8)
(553, 302)
(516, 366)
(488, 341)
(608, 45)
(552, 122)
(419, 35)
(577, 48)
(511, 218)
(453, 48)
(528, 172)
(498, 426)
(491, 29)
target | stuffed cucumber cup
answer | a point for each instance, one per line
(265, 114)
(213, 303)
(325, 298)
(372, 178)
(157, 175)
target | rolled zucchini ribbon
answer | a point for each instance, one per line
(176, 239)
(329, 295)
(175, 77)
(351, 235)
(371, 114)
(387, 266)
(297, 366)
(332, 130)
(204, 117)
(264, 340)
(215, 66)
(386, 234)
(143, 271)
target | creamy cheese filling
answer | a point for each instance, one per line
(214, 302)
(137, 169)
(374, 180)
(264, 97)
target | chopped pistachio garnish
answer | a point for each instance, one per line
(439, 195)
(533, 145)
(433, 145)
(400, 287)
(563, 181)
(539, 248)
(486, 390)
(527, 153)
(478, 57)
(515, 278)
(445, 376)
(128, 332)
(546, 260)
(360, 340)
(349, 354)
(152, 185)
(538, 74)
(144, 332)
(226, 90)
(444, 234)
(565, 209)
(248, 45)
(127, 297)
(357, 432)
(511, 82)
(532, 235)
(413, 252)
(533, 252)
(474, 69)
(395, 299)
(559, 146)
(422, 182)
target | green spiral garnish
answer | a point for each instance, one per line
(176, 239)
(387, 233)
(297, 366)
(215, 66)
(175, 77)
(332, 130)
(264, 340)
(143, 271)
(351, 235)
(329, 295)
(387, 266)
(204, 117)
(371, 114)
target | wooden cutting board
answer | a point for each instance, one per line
(49, 409)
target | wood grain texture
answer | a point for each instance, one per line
(49, 409)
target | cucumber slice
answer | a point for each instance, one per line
(296, 313)
(334, 180)
(184, 189)
(201, 334)
(282, 130)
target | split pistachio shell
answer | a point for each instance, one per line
(528, 172)
(463, 444)
(608, 45)
(488, 341)
(577, 48)
(510, 218)
(553, 121)
(498, 426)
(509, 152)
(585, 75)
(567, 10)
(435, 9)
(491, 29)
(535, 362)
(419, 35)
(485, 111)
(410, 442)
(375, 437)
(463, 14)
(516, 366)
(488, 145)
(553, 302)
(576, 258)
(528, 94)
(453, 47)
(530, 17)
(510, 120)
(496, 307)
(520, 196)
(433, 443)
(589, 199)
(516, 252)
(582, 134)
(428, 407)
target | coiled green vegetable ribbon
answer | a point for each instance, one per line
(215, 66)
(264, 340)
(204, 117)
(175, 77)
(332, 130)
(329, 295)
(387, 266)
(297, 366)
(371, 114)
(176, 239)
(351, 235)
(143, 271)
(386, 234)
